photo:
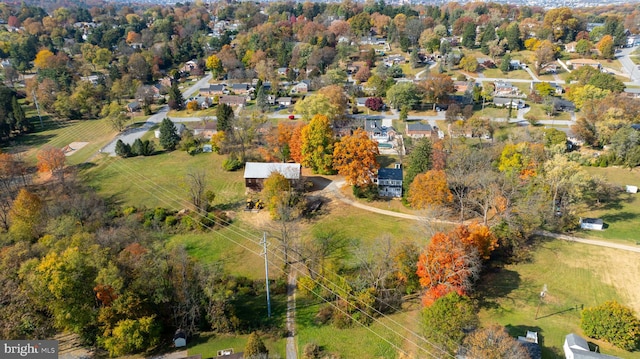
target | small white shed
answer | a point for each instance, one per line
(592, 223)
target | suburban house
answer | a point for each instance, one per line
(284, 101)
(570, 47)
(212, 90)
(592, 223)
(506, 102)
(505, 89)
(233, 100)
(202, 101)
(486, 62)
(180, 128)
(256, 172)
(188, 66)
(301, 87)
(578, 63)
(530, 342)
(207, 129)
(240, 89)
(389, 181)
(575, 347)
(378, 131)
(282, 71)
(420, 130)
(133, 106)
(361, 101)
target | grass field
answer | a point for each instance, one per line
(516, 74)
(159, 180)
(623, 219)
(374, 341)
(537, 111)
(58, 134)
(575, 275)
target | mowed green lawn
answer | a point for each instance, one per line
(208, 345)
(515, 74)
(622, 219)
(161, 180)
(378, 340)
(575, 275)
(58, 133)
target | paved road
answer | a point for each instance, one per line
(334, 189)
(629, 67)
(131, 135)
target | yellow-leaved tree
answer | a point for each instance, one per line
(355, 157)
(42, 59)
(429, 189)
(25, 216)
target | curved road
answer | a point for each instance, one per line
(131, 135)
(334, 188)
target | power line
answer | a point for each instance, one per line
(243, 233)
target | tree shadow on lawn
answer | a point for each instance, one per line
(618, 217)
(26, 141)
(498, 283)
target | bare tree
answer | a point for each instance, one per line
(324, 246)
(197, 186)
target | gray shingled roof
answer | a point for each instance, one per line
(419, 127)
(390, 173)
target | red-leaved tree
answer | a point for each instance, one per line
(452, 261)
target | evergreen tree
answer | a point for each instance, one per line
(122, 149)
(20, 120)
(513, 37)
(418, 161)
(176, 101)
(136, 148)
(224, 113)
(261, 100)
(469, 35)
(168, 135)
(505, 65)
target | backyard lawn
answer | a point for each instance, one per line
(622, 219)
(575, 275)
(497, 73)
(160, 180)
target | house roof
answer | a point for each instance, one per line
(216, 87)
(505, 100)
(233, 100)
(592, 220)
(240, 86)
(390, 173)
(263, 170)
(419, 127)
(283, 99)
(580, 348)
(503, 84)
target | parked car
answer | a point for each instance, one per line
(292, 117)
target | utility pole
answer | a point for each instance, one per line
(266, 271)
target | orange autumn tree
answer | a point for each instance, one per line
(429, 188)
(52, 160)
(295, 143)
(355, 158)
(278, 147)
(478, 236)
(452, 261)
